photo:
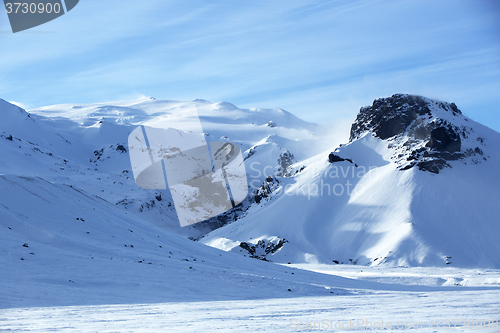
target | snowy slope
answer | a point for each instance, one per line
(75, 229)
(85, 146)
(82, 248)
(72, 231)
(75, 248)
(391, 198)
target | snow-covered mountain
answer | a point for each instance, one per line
(76, 229)
(416, 185)
(73, 221)
(85, 146)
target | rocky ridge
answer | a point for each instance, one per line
(422, 132)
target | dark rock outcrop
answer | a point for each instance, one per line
(444, 139)
(433, 165)
(121, 149)
(388, 117)
(267, 187)
(263, 248)
(419, 129)
(332, 158)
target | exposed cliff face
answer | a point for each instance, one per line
(391, 116)
(423, 132)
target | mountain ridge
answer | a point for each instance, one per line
(395, 214)
(366, 207)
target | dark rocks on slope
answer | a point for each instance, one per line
(332, 158)
(444, 139)
(268, 186)
(263, 248)
(121, 149)
(390, 116)
(406, 120)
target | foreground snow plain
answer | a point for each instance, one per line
(371, 299)
(460, 309)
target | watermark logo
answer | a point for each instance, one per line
(26, 14)
(205, 178)
(461, 324)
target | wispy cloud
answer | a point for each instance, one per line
(319, 59)
(21, 105)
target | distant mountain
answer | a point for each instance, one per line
(416, 184)
(85, 146)
(75, 228)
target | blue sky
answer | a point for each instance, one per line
(320, 60)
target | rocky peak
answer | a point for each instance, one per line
(391, 116)
(423, 132)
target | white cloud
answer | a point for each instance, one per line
(327, 57)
